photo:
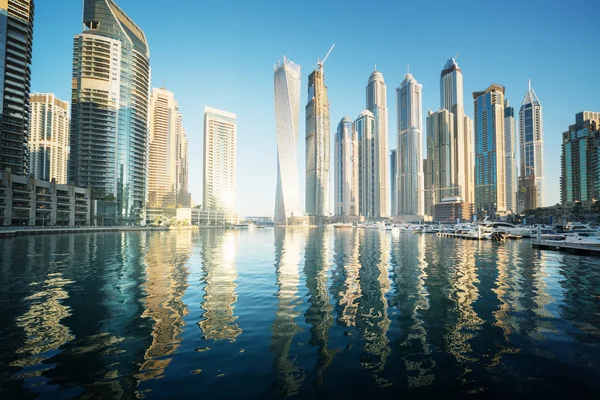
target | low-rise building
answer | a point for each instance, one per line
(452, 209)
(190, 216)
(34, 202)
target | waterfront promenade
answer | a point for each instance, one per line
(10, 231)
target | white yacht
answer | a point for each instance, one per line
(245, 225)
(505, 227)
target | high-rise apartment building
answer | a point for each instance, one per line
(16, 38)
(490, 159)
(580, 160)
(346, 169)
(287, 118)
(510, 155)
(377, 104)
(167, 158)
(451, 99)
(393, 182)
(317, 146)
(441, 159)
(220, 135)
(48, 138)
(365, 125)
(531, 139)
(110, 109)
(184, 198)
(410, 153)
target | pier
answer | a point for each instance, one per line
(571, 248)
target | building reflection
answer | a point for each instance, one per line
(412, 299)
(166, 282)
(372, 318)
(319, 313)
(288, 245)
(346, 284)
(218, 263)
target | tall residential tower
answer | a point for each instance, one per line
(110, 109)
(510, 151)
(531, 138)
(16, 38)
(317, 146)
(220, 135)
(287, 117)
(410, 153)
(490, 159)
(346, 169)
(368, 193)
(48, 138)
(377, 104)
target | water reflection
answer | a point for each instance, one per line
(218, 263)
(289, 375)
(166, 282)
(346, 287)
(319, 313)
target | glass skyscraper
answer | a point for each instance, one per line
(110, 108)
(441, 159)
(377, 104)
(317, 146)
(490, 159)
(368, 196)
(531, 138)
(16, 38)
(393, 182)
(510, 139)
(287, 117)
(410, 153)
(346, 169)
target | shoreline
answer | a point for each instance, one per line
(10, 232)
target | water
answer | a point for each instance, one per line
(308, 313)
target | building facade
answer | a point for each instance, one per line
(490, 159)
(110, 109)
(410, 153)
(167, 158)
(220, 136)
(48, 138)
(365, 125)
(510, 155)
(451, 99)
(441, 159)
(33, 202)
(317, 146)
(376, 96)
(531, 143)
(346, 169)
(451, 210)
(287, 118)
(393, 182)
(580, 160)
(16, 38)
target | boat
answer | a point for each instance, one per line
(244, 225)
(510, 229)
(583, 239)
(343, 225)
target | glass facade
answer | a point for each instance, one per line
(531, 150)
(346, 169)
(110, 109)
(16, 38)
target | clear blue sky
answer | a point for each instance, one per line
(221, 54)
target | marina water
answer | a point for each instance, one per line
(309, 313)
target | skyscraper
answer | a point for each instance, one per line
(167, 174)
(377, 104)
(287, 117)
(410, 153)
(510, 139)
(48, 138)
(580, 160)
(451, 99)
(220, 135)
(531, 179)
(441, 159)
(346, 169)
(368, 192)
(110, 108)
(490, 160)
(393, 182)
(317, 146)
(16, 38)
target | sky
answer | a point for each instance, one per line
(221, 54)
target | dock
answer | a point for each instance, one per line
(570, 248)
(458, 236)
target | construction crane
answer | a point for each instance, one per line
(325, 58)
